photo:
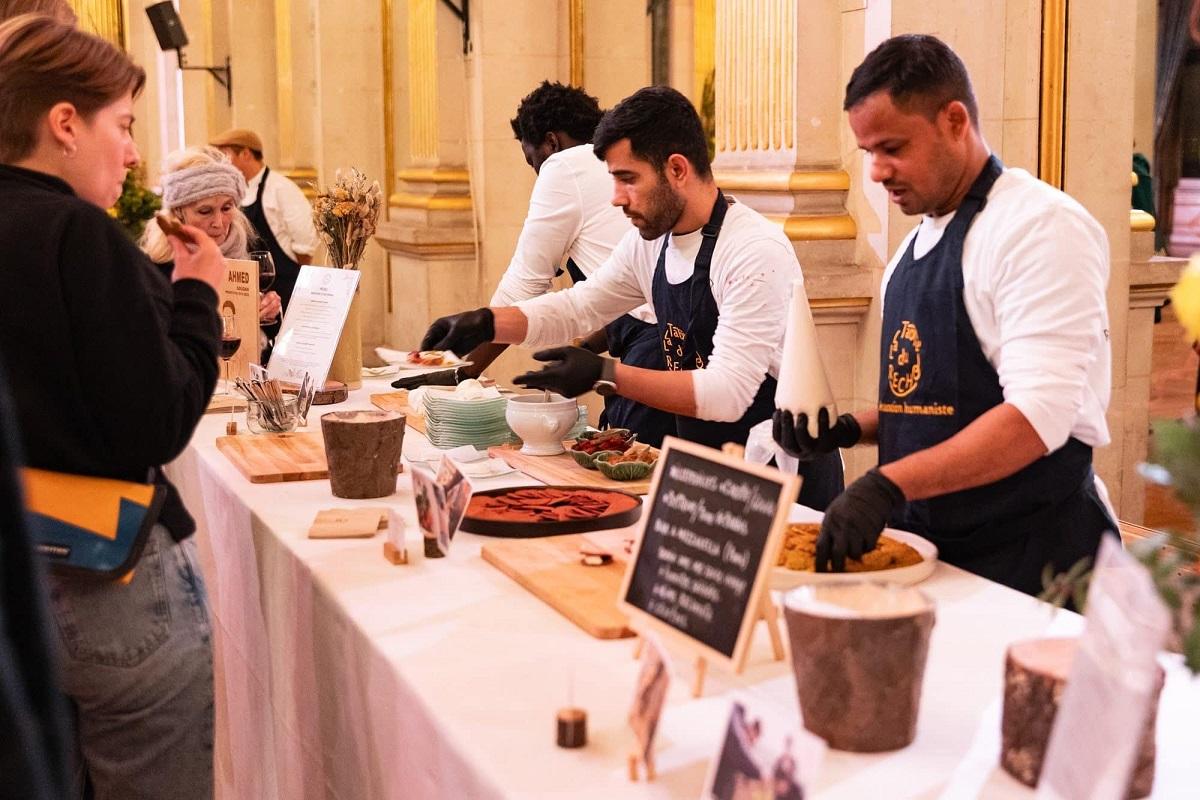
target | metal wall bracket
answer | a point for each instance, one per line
(464, 16)
(224, 75)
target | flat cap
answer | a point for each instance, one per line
(238, 137)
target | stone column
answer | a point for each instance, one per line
(1151, 278)
(779, 150)
(430, 234)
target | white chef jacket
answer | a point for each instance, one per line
(752, 270)
(288, 212)
(1035, 267)
(570, 216)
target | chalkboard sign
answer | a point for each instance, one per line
(708, 536)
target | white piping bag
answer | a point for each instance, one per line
(803, 383)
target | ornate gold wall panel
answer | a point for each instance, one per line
(755, 56)
(422, 79)
(105, 18)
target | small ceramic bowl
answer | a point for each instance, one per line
(626, 470)
(541, 424)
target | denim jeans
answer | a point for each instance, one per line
(137, 663)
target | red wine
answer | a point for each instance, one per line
(229, 346)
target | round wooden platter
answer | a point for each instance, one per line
(536, 530)
(331, 393)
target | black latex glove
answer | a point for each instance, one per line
(461, 333)
(855, 519)
(791, 433)
(443, 377)
(571, 371)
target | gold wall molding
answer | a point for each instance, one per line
(389, 104)
(304, 177)
(1140, 221)
(285, 94)
(704, 42)
(426, 202)
(575, 27)
(816, 227)
(105, 18)
(755, 58)
(422, 79)
(434, 175)
(1052, 122)
(827, 303)
(783, 180)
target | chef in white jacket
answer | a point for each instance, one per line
(570, 223)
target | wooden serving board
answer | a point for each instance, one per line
(562, 470)
(273, 458)
(398, 401)
(550, 568)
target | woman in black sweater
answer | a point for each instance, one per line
(111, 367)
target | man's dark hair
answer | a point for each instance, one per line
(918, 71)
(555, 107)
(659, 122)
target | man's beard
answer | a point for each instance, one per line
(663, 209)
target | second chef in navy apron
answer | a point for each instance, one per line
(994, 357)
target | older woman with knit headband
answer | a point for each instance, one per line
(201, 188)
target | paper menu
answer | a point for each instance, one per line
(1112, 684)
(313, 324)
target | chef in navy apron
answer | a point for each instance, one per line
(654, 147)
(687, 320)
(1041, 505)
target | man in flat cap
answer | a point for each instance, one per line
(275, 205)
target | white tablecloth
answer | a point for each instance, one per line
(340, 675)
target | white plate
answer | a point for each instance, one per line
(380, 372)
(784, 578)
(399, 359)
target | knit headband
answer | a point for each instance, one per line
(203, 180)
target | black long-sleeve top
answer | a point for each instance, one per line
(110, 365)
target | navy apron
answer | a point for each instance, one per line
(286, 269)
(632, 342)
(687, 321)
(934, 380)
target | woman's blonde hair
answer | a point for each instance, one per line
(44, 62)
(155, 244)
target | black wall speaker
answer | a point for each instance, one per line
(168, 27)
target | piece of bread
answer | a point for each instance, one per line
(799, 552)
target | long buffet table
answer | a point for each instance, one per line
(339, 675)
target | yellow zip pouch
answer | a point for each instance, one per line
(89, 527)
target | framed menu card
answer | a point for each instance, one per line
(239, 297)
(708, 537)
(313, 324)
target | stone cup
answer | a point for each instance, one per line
(859, 653)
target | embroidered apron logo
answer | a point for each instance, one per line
(673, 341)
(904, 360)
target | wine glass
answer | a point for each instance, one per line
(266, 274)
(231, 340)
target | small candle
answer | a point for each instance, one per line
(572, 727)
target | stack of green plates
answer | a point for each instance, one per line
(453, 422)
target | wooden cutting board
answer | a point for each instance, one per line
(562, 470)
(273, 458)
(398, 401)
(550, 568)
